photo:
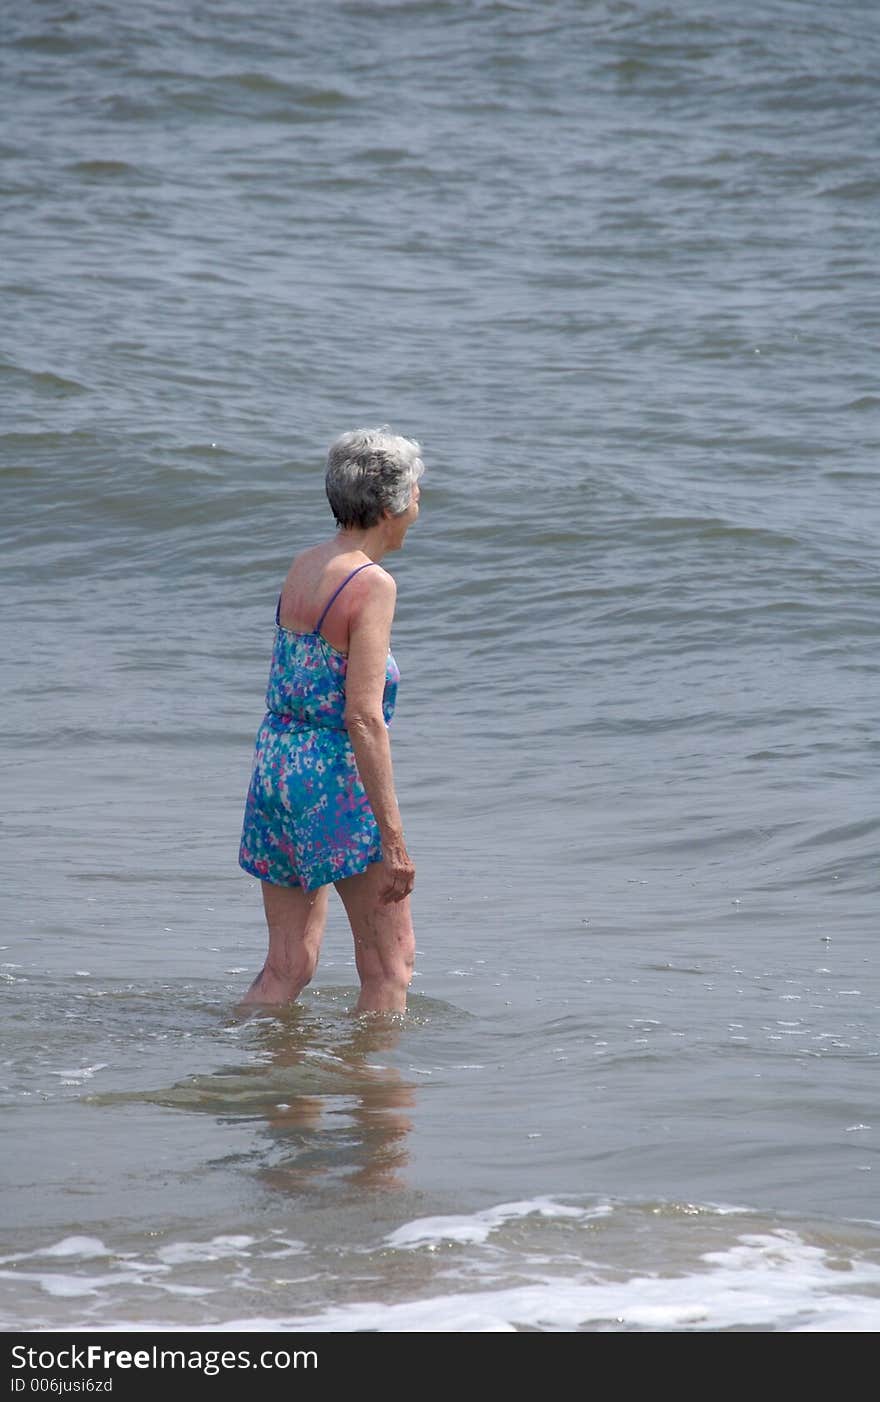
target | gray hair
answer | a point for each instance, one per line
(371, 471)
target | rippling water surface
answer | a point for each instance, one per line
(615, 264)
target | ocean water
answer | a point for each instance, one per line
(615, 265)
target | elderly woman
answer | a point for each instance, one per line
(321, 808)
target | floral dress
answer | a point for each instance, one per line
(307, 819)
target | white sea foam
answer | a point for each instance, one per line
(80, 1073)
(287, 1248)
(56, 1283)
(183, 1290)
(770, 1280)
(430, 1231)
(219, 1247)
(85, 1246)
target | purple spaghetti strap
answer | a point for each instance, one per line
(338, 591)
(278, 612)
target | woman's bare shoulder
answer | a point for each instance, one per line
(386, 582)
(372, 603)
(379, 588)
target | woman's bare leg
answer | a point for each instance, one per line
(384, 942)
(296, 921)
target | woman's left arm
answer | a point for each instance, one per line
(369, 638)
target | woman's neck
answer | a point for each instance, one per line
(370, 542)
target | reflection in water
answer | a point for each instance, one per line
(332, 1112)
(356, 1126)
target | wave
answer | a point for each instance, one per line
(538, 1265)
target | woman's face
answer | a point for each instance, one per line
(412, 510)
(403, 522)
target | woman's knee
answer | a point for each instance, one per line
(399, 967)
(390, 958)
(297, 966)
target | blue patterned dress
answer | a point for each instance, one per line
(308, 820)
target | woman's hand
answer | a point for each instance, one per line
(398, 873)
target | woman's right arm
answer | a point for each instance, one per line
(369, 639)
